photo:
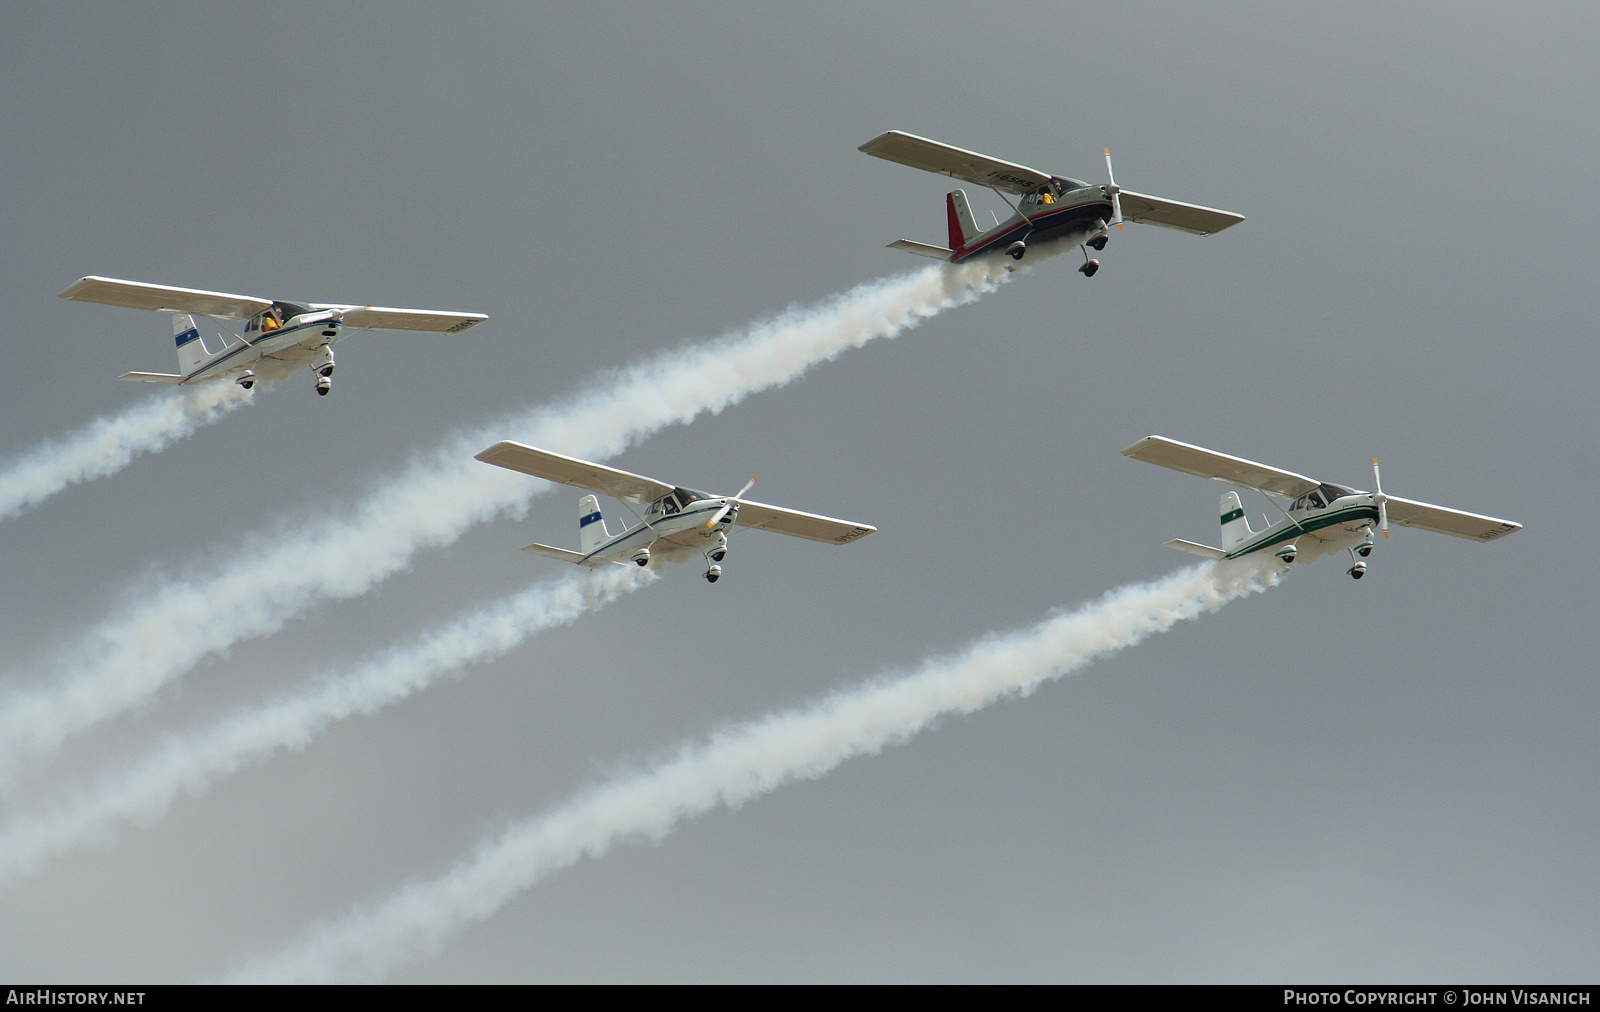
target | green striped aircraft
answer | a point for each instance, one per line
(1321, 519)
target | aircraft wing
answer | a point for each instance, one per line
(163, 298)
(1440, 520)
(379, 318)
(1219, 466)
(1191, 218)
(931, 156)
(760, 516)
(572, 471)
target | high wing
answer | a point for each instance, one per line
(969, 166)
(1219, 466)
(760, 516)
(1191, 218)
(164, 298)
(572, 471)
(379, 318)
(1441, 520)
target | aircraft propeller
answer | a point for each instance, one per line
(733, 500)
(1114, 191)
(1381, 499)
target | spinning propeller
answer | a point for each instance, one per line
(1115, 192)
(733, 500)
(1381, 499)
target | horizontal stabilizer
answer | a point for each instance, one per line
(556, 553)
(932, 156)
(152, 377)
(164, 298)
(1191, 218)
(1204, 551)
(921, 249)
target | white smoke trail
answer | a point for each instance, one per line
(744, 762)
(142, 791)
(107, 445)
(136, 651)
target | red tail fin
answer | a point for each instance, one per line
(958, 238)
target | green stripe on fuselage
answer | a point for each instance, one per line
(1307, 524)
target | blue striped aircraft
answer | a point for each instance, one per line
(277, 337)
(678, 522)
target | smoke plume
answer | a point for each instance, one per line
(107, 445)
(142, 790)
(271, 578)
(746, 761)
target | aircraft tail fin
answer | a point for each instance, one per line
(192, 350)
(592, 531)
(963, 227)
(1235, 526)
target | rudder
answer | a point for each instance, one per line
(592, 531)
(963, 229)
(1235, 526)
(192, 350)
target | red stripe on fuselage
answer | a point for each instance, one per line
(963, 252)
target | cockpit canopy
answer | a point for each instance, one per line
(678, 499)
(1050, 192)
(279, 314)
(1324, 494)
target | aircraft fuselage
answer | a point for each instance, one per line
(1075, 216)
(670, 536)
(277, 353)
(1346, 522)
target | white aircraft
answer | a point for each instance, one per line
(1323, 517)
(677, 523)
(1051, 207)
(278, 337)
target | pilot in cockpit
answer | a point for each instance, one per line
(269, 320)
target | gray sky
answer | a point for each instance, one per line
(1385, 780)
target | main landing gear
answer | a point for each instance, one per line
(323, 367)
(247, 379)
(1358, 568)
(1016, 250)
(1090, 267)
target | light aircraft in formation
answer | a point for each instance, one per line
(678, 522)
(1049, 207)
(1322, 517)
(277, 337)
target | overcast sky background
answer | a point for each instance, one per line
(1386, 780)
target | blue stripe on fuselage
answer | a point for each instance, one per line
(611, 545)
(1042, 227)
(272, 336)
